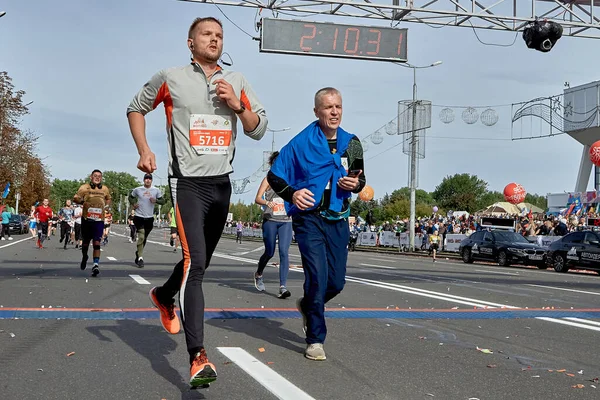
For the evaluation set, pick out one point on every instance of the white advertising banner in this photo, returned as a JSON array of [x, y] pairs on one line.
[[232, 230], [367, 239], [453, 242], [389, 239], [404, 239]]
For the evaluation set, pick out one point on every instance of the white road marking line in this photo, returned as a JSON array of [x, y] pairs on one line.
[[567, 290], [585, 321], [111, 258], [497, 272], [267, 377], [377, 266], [261, 248], [294, 255], [234, 258], [427, 293], [383, 258], [139, 280], [13, 243], [563, 322]]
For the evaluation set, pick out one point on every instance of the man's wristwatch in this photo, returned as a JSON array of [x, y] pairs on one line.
[[241, 109]]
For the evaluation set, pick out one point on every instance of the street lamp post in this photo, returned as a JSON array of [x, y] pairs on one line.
[[273, 131], [413, 153]]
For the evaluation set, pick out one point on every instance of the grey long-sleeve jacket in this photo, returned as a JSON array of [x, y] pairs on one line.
[[185, 92]]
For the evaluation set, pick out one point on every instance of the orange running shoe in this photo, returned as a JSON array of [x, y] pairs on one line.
[[202, 372], [168, 317]]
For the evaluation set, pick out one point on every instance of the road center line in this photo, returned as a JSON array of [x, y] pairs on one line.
[[111, 258], [139, 280], [497, 272], [377, 266], [565, 289], [427, 293], [261, 248], [267, 377], [585, 321], [384, 259], [563, 322], [13, 243]]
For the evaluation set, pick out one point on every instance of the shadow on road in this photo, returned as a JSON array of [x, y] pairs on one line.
[[263, 329], [152, 343], [248, 287]]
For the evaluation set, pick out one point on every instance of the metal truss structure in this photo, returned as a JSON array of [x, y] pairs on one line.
[[577, 17]]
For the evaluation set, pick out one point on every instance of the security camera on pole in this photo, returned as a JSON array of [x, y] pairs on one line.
[[414, 117]]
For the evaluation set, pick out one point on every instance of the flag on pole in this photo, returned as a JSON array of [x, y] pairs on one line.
[[6, 190]]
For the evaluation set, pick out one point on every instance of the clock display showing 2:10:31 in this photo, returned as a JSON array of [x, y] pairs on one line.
[[334, 40]]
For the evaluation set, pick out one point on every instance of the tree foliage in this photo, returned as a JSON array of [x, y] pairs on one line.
[[19, 164], [246, 213], [460, 192], [537, 200], [63, 190]]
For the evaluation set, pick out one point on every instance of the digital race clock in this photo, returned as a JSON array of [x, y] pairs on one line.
[[333, 40]]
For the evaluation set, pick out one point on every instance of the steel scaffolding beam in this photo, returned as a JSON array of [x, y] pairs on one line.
[[577, 17]]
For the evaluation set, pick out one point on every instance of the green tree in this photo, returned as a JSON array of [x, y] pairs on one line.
[[120, 184], [359, 207], [399, 208], [421, 196], [460, 192], [241, 212], [489, 198], [19, 164], [165, 208], [537, 200], [61, 191]]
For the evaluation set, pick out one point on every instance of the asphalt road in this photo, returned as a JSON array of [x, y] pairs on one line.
[[403, 328]]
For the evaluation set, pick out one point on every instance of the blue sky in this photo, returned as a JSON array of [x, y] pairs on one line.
[[81, 62]]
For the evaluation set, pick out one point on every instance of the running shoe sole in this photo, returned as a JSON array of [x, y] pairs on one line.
[[203, 377], [322, 358]]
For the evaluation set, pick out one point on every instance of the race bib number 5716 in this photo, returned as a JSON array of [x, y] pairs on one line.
[[210, 134]]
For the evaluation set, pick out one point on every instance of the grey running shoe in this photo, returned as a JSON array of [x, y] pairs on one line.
[[299, 307], [95, 271], [284, 293], [315, 352], [259, 284]]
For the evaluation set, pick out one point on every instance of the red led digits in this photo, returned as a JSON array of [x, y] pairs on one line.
[[377, 42], [312, 36], [400, 43], [335, 38], [355, 49]]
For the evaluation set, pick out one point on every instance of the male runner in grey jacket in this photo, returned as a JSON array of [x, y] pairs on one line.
[[203, 104]]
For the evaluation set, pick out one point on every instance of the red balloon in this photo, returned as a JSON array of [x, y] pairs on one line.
[[595, 153], [514, 193]]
